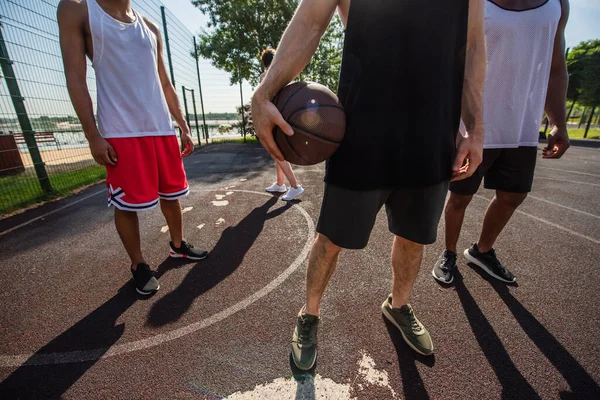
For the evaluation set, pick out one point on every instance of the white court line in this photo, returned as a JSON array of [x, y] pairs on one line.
[[562, 228], [101, 353], [566, 180], [572, 172], [52, 212], [565, 207]]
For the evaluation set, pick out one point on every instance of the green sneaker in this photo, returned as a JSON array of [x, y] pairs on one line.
[[304, 340], [412, 330]]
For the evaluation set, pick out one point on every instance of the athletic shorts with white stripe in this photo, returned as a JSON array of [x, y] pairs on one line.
[[148, 168]]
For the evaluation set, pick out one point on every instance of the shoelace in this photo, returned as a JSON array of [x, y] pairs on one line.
[[445, 265], [495, 260], [186, 245], [414, 324], [305, 329]]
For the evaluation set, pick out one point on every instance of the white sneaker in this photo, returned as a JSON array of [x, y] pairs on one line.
[[293, 193], [275, 188]]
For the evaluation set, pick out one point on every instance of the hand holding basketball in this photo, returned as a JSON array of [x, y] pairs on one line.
[[265, 117]]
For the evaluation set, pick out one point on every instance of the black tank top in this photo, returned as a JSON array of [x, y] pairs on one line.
[[401, 86]]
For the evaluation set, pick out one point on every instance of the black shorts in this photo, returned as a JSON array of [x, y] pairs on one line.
[[507, 170], [347, 216]]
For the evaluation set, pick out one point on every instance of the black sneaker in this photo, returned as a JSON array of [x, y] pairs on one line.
[[444, 268], [145, 282], [187, 251], [489, 263]]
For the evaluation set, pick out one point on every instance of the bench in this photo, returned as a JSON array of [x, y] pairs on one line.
[[40, 137]]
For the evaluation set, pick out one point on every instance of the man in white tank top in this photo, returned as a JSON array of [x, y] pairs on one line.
[[526, 75], [134, 138]]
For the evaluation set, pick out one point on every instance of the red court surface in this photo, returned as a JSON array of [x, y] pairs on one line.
[[72, 326]]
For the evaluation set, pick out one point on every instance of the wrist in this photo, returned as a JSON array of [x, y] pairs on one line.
[[262, 94], [93, 135]]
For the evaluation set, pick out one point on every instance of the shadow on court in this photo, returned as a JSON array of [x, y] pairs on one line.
[[412, 383], [90, 338], [223, 260], [581, 383]]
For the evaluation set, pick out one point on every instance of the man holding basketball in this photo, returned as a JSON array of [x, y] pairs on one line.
[[531, 35], [381, 160], [134, 138]]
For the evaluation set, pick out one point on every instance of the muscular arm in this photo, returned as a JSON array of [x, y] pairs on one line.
[[558, 139], [297, 46], [471, 148], [71, 15], [170, 94]]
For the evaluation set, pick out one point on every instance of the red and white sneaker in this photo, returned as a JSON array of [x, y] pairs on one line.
[[187, 251]]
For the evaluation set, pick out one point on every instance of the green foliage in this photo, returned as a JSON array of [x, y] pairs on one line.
[[238, 30], [584, 73]]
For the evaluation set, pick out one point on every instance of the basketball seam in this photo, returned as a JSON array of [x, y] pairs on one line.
[[293, 149], [305, 132], [292, 95]]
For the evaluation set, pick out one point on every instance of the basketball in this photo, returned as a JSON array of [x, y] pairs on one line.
[[318, 119]]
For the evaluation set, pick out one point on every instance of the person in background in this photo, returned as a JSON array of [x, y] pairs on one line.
[[531, 34], [284, 168], [134, 138]]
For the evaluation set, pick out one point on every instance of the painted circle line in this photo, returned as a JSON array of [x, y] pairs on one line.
[[102, 353]]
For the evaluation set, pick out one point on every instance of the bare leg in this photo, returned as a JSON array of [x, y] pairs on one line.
[[280, 175], [498, 213], [321, 264], [128, 227], [171, 209], [406, 261], [288, 172], [454, 216]]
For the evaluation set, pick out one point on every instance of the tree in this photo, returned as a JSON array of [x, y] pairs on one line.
[[584, 76], [238, 30]]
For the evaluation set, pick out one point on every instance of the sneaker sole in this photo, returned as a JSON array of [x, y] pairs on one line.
[[292, 199], [481, 265], [275, 191], [393, 321], [177, 255], [440, 279], [147, 293]]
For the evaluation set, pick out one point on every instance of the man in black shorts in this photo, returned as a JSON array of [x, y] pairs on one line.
[[515, 97], [387, 156]]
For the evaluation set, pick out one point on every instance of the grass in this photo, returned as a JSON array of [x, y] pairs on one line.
[[22, 190], [578, 133], [249, 139]]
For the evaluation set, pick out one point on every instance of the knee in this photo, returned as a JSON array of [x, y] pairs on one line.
[[510, 200], [458, 202], [326, 247]]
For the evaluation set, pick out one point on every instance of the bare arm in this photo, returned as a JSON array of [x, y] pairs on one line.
[[71, 15], [297, 46], [170, 94], [558, 139], [470, 149]]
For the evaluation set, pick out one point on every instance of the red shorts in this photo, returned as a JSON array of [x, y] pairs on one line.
[[148, 168]]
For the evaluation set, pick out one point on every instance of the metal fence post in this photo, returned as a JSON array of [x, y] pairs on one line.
[[242, 102], [187, 114], [164, 21], [204, 127], [196, 118], [24, 122]]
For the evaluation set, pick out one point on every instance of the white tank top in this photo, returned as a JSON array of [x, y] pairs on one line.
[[519, 53], [131, 102]]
